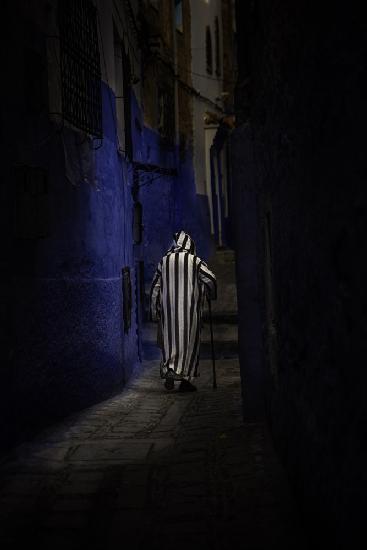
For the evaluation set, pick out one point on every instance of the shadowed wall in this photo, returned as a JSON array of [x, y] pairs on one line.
[[299, 174]]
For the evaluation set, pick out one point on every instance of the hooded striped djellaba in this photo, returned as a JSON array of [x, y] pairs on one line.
[[180, 284]]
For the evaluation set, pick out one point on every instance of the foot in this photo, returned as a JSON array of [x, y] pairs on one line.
[[169, 384], [186, 386]]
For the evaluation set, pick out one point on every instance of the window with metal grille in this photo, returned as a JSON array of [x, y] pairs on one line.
[[80, 65], [209, 50]]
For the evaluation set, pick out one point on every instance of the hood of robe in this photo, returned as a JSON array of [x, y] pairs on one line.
[[183, 241]]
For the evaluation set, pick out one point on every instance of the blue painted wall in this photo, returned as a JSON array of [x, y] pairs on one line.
[[69, 348], [64, 345], [170, 204]]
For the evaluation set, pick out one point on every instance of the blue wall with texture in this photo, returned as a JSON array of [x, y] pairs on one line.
[[64, 344]]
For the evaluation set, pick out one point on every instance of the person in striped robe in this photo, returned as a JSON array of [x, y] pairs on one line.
[[180, 284]]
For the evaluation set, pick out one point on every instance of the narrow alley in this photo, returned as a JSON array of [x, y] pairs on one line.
[[156, 155], [151, 469]]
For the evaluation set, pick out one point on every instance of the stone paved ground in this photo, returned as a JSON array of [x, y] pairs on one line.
[[150, 469]]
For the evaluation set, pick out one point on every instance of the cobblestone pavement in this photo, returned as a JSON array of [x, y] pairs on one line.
[[148, 469], [151, 469]]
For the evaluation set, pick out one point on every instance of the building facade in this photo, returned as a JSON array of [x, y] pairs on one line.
[[213, 77], [70, 267], [98, 146]]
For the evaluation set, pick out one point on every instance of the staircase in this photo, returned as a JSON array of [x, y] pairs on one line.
[[224, 309]]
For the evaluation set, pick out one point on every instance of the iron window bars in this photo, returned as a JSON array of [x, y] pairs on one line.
[[80, 65]]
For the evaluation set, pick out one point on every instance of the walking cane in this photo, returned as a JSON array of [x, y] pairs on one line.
[[212, 341]]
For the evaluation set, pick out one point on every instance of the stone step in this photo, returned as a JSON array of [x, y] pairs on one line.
[[221, 317], [225, 336], [226, 298], [223, 255], [222, 350], [222, 332]]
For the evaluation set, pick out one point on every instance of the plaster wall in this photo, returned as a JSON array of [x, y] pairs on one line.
[[65, 345], [203, 14], [299, 177]]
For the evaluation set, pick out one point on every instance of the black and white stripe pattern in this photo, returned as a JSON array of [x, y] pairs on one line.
[[179, 285]]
